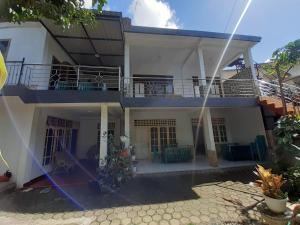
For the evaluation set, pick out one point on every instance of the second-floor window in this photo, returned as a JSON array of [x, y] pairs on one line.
[[4, 45], [156, 85]]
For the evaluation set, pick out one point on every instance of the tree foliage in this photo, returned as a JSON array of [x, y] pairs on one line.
[[287, 130], [63, 12], [282, 61]]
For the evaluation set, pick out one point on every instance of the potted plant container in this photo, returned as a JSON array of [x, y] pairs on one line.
[[270, 185], [6, 176]]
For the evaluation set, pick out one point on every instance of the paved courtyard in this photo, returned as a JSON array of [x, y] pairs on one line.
[[173, 199]]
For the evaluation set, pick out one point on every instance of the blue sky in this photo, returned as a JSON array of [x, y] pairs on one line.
[[276, 21]]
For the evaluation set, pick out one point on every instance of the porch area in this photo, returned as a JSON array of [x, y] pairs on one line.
[[178, 141]]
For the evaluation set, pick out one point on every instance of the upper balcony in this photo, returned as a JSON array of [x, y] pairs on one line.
[[55, 83], [64, 77], [167, 87]]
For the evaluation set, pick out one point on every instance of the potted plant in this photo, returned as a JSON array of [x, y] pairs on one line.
[[270, 185], [6, 176]]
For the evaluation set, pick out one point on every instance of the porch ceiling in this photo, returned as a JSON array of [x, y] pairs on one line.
[[99, 44], [83, 111]]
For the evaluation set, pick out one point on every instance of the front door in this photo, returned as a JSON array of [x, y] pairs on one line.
[[198, 137], [162, 137]]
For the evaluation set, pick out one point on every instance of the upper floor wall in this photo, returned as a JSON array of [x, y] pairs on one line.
[[31, 41], [153, 61]]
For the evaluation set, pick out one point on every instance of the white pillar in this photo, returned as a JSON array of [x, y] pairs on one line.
[[127, 123], [103, 135], [27, 152], [127, 80], [249, 62], [209, 138], [202, 74]]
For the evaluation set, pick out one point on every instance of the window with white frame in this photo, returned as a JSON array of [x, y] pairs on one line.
[[4, 45], [219, 130]]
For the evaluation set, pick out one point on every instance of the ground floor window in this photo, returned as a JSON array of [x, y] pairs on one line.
[[219, 130], [162, 132]]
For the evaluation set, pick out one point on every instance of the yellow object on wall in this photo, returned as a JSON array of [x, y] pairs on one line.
[[3, 71]]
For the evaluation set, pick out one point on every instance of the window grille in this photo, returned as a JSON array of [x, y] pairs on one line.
[[219, 130], [157, 122]]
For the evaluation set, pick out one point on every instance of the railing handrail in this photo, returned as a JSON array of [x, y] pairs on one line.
[[180, 79], [65, 65]]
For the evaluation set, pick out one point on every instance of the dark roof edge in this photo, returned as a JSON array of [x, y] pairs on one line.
[[189, 33]]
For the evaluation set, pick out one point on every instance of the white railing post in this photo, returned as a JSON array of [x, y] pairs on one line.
[[78, 74], [119, 78]]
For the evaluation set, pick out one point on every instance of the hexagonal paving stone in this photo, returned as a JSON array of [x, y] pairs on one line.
[[126, 221], [167, 216], [101, 218], [147, 219], [163, 222], [157, 217], [137, 220], [184, 220], [174, 222]]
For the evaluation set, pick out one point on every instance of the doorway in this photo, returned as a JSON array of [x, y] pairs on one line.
[[162, 137], [198, 137]]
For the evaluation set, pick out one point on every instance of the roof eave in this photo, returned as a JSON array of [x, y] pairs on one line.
[[190, 33]]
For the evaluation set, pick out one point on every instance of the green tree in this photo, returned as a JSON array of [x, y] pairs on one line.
[[282, 61], [63, 12]]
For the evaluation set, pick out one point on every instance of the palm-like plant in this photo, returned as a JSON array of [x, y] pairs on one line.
[[269, 183]]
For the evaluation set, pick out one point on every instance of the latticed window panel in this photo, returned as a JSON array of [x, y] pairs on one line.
[[155, 123], [172, 136], [219, 130]]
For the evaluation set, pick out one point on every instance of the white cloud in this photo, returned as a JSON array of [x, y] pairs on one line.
[[88, 4], [106, 7], [153, 13]]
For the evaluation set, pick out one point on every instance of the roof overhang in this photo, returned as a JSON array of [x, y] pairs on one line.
[[98, 44], [189, 33]]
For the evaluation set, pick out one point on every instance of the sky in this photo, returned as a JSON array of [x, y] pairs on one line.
[[276, 21]]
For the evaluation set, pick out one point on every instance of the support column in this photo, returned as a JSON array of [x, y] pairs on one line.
[[202, 74], [249, 63], [209, 139], [127, 80], [127, 123], [103, 135]]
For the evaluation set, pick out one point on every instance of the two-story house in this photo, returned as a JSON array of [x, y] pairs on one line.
[[68, 89]]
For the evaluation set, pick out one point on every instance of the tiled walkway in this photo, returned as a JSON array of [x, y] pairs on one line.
[[217, 203]]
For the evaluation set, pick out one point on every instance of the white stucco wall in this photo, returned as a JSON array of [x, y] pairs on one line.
[[87, 135], [31, 41], [26, 40], [243, 124], [16, 120]]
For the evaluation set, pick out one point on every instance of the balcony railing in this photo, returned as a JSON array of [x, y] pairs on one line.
[[291, 92], [141, 87], [64, 77], [91, 78]]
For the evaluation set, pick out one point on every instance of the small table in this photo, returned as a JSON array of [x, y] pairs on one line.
[[271, 218]]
